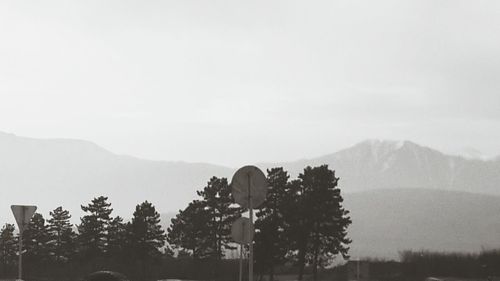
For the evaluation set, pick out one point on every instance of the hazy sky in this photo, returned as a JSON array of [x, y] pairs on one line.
[[234, 82]]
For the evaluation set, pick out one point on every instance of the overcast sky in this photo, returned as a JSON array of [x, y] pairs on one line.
[[235, 82]]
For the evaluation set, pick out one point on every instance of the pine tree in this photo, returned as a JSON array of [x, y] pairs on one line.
[[296, 228], [316, 218], [188, 231], [62, 238], [93, 229], [218, 203], [147, 236], [270, 243], [8, 247], [35, 238]]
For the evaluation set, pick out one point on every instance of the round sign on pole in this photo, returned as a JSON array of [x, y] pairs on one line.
[[249, 182], [242, 231]]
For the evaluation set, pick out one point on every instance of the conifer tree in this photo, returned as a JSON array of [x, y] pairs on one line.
[[317, 222], [219, 206], [270, 243], [8, 247], [93, 229], [35, 238], [146, 238], [147, 235], [62, 237], [188, 231]]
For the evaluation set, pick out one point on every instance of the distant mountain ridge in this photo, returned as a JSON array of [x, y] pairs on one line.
[[375, 164], [53, 172], [401, 195]]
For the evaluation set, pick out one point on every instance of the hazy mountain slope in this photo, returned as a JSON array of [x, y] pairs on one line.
[[65, 172], [386, 164], [56, 172], [387, 221]]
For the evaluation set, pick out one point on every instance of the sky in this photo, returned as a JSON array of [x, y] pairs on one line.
[[238, 82]]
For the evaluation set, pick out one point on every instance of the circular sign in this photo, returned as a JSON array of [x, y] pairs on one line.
[[249, 182], [242, 231]]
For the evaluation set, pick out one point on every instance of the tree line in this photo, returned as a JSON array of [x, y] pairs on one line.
[[421, 264], [54, 244], [302, 222]]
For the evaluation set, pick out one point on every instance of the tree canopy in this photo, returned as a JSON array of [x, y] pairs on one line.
[[302, 221]]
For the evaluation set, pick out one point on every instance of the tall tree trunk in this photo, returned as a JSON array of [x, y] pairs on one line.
[[316, 254], [315, 266], [216, 246], [219, 239], [302, 260]]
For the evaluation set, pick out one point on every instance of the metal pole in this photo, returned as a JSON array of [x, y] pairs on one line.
[[250, 207], [357, 271], [241, 262], [20, 269]]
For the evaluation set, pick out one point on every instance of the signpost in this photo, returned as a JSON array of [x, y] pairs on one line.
[[248, 183], [242, 233], [23, 216], [249, 190]]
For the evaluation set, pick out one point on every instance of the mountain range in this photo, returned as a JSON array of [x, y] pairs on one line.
[[380, 180], [375, 164]]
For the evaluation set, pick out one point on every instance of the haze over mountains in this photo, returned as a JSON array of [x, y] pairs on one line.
[[388, 221], [377, 164], [71, 172], [401, 194]]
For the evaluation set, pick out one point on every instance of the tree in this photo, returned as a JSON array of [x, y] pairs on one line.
[[219, 206], [317, 221], [93, 230], [147, 236], [270, 243], [8, 247], [62, 238], [35, 238], [188, 230]]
